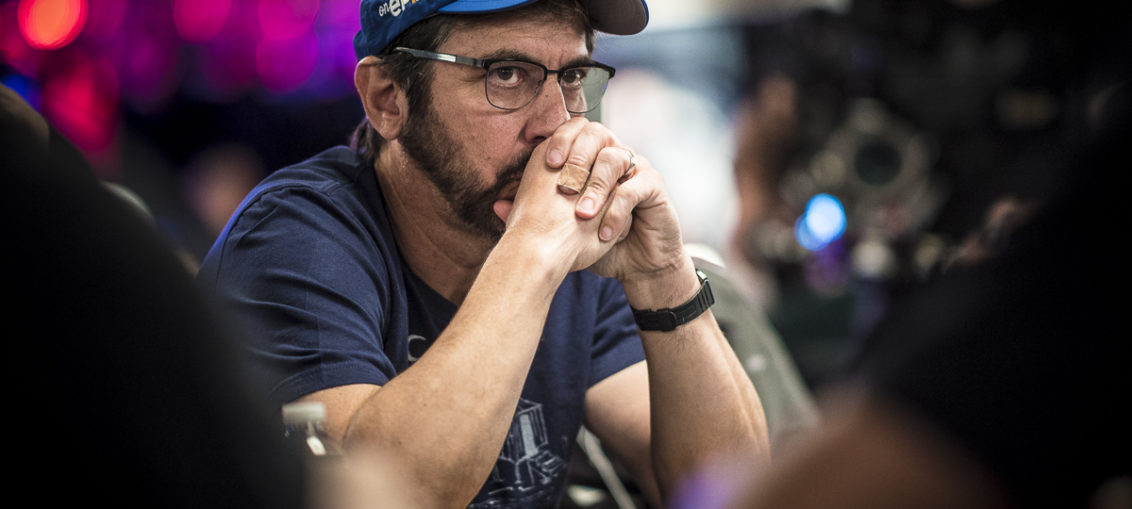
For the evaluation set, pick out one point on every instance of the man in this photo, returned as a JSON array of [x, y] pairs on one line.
[[428, 287]]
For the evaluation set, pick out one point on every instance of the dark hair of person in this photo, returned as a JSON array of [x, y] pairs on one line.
[[414, 75]]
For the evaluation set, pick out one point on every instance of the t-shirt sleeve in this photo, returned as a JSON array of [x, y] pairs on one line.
[[617, 344], [300, 272]]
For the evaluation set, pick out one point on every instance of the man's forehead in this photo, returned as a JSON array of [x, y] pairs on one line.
[[383, 21], [533, 39]]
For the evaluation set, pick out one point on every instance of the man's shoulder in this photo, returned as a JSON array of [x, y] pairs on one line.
[[334, 179], [330, 195], [326, 170], [323, 208]]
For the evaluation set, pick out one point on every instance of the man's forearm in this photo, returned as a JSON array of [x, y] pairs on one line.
[[700, 409], [444, 420], [702, 402]]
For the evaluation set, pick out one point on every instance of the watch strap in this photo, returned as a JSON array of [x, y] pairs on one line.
[[668, 319]]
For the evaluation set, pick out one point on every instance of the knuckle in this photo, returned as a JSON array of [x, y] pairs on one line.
[[604, 174], [571, 127], [579, 120], [615, 214], [596, 187], [620, 207], [583, 150], [578, 158], [589, 143], [559, 140], [598, 127], [568, 131], [615, 162], [610, 154]]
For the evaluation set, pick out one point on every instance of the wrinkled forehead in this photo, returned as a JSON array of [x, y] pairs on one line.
[[525, 26], [547, 42]]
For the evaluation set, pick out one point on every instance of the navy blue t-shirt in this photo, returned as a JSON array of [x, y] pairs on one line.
[[310, 267]]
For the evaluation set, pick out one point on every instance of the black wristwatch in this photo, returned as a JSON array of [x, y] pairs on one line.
[[668, 319]]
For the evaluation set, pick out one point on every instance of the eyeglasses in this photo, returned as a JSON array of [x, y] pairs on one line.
[[511, 84]]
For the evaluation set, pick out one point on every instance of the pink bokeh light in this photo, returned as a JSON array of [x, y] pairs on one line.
[[200, 20], [284, 65], [286, 19], [80, 97], [150, 66], [105, 21]]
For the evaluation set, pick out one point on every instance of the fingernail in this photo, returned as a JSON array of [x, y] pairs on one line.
[[587, 205], [554, 157], [606, 233]]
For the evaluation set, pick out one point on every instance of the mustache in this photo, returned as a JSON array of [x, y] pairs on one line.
[[512, 172]]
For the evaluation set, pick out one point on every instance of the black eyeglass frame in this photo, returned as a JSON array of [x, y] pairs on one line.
[[486, 63]]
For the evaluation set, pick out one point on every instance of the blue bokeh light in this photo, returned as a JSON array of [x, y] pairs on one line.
[[27, 88], [822, 223]]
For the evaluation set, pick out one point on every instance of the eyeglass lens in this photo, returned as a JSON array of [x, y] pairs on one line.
[[513, 84]]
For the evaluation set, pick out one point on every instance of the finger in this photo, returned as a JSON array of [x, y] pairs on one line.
[[572, 179], [584, 150], [631, 170], [617, 218], [629, 198], [609, 169], [559, 144]]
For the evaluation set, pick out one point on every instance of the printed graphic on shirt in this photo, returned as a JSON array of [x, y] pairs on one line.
[[528, 470], [417, 346]]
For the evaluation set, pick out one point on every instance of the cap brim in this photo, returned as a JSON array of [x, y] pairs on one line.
[[618, 17]]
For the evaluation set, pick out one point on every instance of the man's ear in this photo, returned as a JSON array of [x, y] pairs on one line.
[[385, 103]]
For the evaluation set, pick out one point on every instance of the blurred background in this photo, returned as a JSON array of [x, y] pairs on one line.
[[829, 152]]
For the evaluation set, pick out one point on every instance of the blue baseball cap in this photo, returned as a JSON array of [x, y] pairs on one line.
[[384, 20]]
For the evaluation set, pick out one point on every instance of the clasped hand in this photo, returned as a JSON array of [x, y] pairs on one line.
[[622, 224]]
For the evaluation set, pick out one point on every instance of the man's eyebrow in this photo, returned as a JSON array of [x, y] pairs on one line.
[[508, 54]]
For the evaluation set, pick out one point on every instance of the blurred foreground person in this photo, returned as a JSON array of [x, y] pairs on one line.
[[1006, 382], [457, 300], [130, 392]]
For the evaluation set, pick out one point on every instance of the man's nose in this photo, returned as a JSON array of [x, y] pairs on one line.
[[547, 110]]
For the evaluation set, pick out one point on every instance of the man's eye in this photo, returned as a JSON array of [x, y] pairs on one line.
[[574, 77], [505, 75]]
